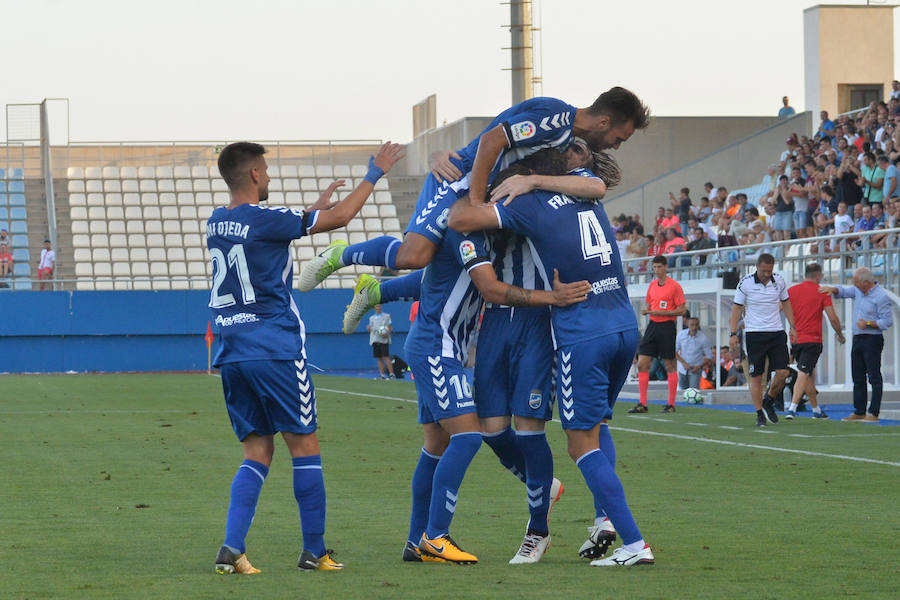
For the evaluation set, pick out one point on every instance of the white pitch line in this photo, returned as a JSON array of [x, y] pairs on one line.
[[766, 431], [682, 437], [696, 424], [729, 427]]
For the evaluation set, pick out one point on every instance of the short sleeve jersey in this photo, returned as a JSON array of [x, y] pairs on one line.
[[529, 126], [761, 302], [667, 296], [808, 305], [251, 301], [550, 221], [449, 302]]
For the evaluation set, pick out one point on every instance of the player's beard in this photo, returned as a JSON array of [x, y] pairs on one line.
[[264, 194]]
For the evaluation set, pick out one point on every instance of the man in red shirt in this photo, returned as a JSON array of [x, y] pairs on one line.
[[6, 263], [665, 303], [808, 305]]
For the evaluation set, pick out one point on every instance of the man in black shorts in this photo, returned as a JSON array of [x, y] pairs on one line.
[[761, 297], [380, 329], [807, 346]]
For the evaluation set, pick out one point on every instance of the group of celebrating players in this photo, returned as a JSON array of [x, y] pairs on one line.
[[504, 221]]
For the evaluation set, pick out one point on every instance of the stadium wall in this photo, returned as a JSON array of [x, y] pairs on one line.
[[51, 332]]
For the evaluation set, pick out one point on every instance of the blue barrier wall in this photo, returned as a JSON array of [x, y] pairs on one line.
[[49, 332]]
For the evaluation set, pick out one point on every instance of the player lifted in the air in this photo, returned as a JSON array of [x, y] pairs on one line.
[[262, 353], [595, 340], [515, 133]]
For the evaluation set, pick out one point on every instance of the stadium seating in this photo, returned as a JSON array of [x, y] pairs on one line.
[[144, 227], [13, 218]]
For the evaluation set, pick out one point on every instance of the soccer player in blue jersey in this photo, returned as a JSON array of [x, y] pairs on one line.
[[595, 340], [452, 287], [515, 133], [261, 353]]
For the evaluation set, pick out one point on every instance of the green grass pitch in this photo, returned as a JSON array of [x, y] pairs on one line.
[[116, 486]]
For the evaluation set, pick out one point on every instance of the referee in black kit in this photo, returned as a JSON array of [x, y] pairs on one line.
[[761, 297]]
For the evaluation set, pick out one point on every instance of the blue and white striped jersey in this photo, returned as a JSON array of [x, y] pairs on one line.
[[530, 125], [572, 237], [449, 303], [251, 302]]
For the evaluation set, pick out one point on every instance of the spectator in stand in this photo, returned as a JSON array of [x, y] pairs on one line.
[[729, 369], [722, 196], [682, 207], [622, 242], [759, 235], [47, 265], [824, 228], [890, 188], [734, 209], [660, 215], [866, 222], [692, 351], [787, 110], [670, 220], [784, 210], [6, 264], [716, 210], [709, 189], [636, 222], [881, 222], [847, 189], [699, 241], [705, 210], [674, 242], [724, 239], [4, 237], [871, 176], [637, 248], [826, 126]]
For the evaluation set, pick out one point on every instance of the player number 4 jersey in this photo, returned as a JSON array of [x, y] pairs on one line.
[[573, 237]]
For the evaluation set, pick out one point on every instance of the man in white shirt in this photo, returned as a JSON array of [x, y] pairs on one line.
[[761, 297], [47, 265], [380, 329]]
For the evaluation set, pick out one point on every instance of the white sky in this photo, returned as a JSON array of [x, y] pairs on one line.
[[352, 69]]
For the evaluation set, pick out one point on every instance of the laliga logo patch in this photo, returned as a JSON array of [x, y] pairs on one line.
[[663, 304], [534, 400], [522, 131], [467, 251]]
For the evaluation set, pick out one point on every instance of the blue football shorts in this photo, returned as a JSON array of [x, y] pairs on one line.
[[433, 206], [269, 396], [514, 363], [591, 375], [441, 387]]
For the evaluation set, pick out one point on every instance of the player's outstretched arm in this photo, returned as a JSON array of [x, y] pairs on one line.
[[342, 212], [494, 290], [470, 217], [324, 202], [570, 185], [490, 145]]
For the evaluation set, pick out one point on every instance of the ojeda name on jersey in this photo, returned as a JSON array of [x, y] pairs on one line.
[[224, 228]]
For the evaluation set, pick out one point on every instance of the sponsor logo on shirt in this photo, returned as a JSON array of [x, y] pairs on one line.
[[467, 251], [605, 285], [522, 131], [237, 319]]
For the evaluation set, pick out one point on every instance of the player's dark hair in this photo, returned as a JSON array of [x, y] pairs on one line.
[[765, 259], [621, 106], [812, 269], [543, 162], [234, 160], [659, 259]]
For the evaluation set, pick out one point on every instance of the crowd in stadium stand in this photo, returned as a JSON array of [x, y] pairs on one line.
[[843, 179]]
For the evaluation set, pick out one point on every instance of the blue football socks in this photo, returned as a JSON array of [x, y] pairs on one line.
[[245, 490], [382, 251], [539, 477], [608, 448], [309, 490], [408, 287], [503, 443], [422, 480], [604, 484], [447, 478]]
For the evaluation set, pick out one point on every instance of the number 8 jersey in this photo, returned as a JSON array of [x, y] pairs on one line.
[[572, 236], [251, 301]]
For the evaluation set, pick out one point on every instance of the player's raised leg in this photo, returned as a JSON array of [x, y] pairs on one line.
[[369, 291]]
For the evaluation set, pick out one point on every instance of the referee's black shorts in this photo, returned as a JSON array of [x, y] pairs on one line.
[[766, 344], [806, 355], [659, 340], [380, 350]]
